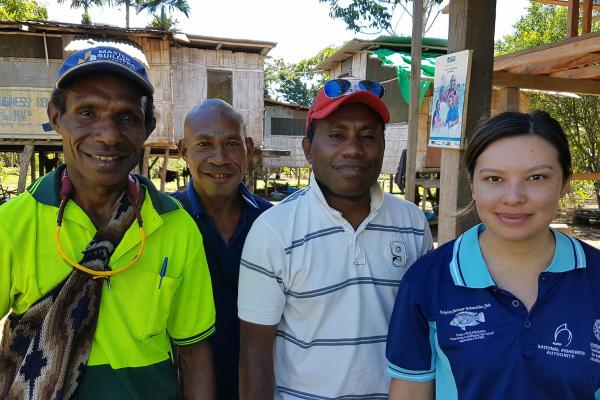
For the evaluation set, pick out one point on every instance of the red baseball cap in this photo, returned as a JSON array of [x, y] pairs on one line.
[[323, 106]]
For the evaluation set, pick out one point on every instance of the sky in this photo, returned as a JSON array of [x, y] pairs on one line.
[[301, 28]]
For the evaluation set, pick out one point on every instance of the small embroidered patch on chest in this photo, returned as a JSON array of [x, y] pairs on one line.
[[398, 251]]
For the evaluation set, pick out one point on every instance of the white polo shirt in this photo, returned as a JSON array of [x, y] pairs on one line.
[[330, 289]]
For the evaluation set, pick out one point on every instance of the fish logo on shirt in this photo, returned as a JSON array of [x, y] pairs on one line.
[[597, 329], [467, 318]]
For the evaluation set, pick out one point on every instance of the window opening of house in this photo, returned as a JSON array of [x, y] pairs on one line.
[[219, 85], [346, 69], [287, 126]]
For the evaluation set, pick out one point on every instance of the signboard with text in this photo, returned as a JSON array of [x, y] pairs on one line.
[[23, 111]]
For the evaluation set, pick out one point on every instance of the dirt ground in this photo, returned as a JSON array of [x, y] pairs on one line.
[[588, 233]]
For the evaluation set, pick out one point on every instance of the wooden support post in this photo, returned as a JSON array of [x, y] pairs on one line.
[[42, 162], [391, 183], [415, 95], [573, 18], [509, 99], [471, 27], [587, 16], [33, 167], [145, 161], [23, 167], [251, 172], [163, 171]]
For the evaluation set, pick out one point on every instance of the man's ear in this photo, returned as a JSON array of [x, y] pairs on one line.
[[249, 146], [54, 117], [182, 147], [306, 146]]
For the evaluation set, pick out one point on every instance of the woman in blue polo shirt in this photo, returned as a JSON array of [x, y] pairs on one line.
[[510, 309]]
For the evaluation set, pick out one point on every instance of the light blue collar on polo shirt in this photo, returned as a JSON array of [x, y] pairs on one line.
[[469, 269]]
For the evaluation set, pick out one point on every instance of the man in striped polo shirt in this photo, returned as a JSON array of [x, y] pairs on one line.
[[320, 271]]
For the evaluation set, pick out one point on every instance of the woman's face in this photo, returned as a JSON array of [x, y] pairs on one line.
[[517, 183]]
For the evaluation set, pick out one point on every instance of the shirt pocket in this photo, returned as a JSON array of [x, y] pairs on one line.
[[151, 305]]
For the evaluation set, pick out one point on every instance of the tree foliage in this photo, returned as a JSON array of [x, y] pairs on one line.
[[578, 116], [542, 24], [295, 83], [129, 4], [160, 9], [377, 16], [22, 10], [86, 5]]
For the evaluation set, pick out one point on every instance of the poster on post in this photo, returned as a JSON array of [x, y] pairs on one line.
[[449, 102]]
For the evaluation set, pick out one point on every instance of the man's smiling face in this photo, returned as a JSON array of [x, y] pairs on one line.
[[216, 150], [346, 152], [102, 128]]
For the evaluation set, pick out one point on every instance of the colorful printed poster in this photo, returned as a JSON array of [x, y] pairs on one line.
[[448, 108]]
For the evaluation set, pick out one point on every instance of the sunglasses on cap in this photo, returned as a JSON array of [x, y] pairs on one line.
[[341, 87]]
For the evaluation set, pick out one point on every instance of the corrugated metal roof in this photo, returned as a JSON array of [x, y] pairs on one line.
[[390, 42], [181, 39], [272, 102]]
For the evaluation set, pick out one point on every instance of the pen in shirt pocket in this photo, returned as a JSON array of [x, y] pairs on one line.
[[163, 271]]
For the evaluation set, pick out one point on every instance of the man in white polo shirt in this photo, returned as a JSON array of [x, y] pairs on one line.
[[320, 271]]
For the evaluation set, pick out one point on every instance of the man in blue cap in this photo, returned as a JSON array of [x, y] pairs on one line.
[[98, 287]]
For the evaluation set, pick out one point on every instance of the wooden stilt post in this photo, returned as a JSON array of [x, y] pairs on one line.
[[250, 173], [163, 171], [587, 16], [509, 99], [145, 160], [42, 162], [23, 167], [573, 18], [33, 167]]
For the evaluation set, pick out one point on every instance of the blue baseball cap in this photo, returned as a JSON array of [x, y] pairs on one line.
[[104, 59]]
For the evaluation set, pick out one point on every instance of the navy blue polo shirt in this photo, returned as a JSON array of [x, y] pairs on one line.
[[453, 324], [224, 265]]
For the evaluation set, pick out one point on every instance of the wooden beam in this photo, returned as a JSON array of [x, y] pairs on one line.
[[565, 49], [587, 16], [471, 26], [549, 67], [593, 71], [415, 94], [585, 176], [539, 82], [573, 18], [23, 167]]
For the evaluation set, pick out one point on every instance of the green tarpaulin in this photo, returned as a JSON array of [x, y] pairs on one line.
[[402, 62]]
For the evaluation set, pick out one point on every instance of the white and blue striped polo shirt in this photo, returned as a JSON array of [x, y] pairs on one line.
[[452, 323], [330, 289]]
